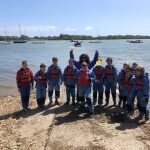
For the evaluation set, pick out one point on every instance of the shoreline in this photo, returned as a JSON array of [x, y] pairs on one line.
[[8, 91]]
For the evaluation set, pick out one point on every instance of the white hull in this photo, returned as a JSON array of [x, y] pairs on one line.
[[5, 42], [38, 42]]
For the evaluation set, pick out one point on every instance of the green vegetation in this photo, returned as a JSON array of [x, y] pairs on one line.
[[73, 37]]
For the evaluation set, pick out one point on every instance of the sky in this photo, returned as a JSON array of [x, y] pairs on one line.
[[52, 17]]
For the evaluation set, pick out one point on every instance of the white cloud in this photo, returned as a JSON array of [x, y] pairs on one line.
[[88, 28], [70, 29], [26, 29]]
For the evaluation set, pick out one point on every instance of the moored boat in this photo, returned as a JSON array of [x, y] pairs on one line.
[[38, 42], [135, 41]]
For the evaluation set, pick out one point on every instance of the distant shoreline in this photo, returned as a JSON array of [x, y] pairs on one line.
[[74, 37]]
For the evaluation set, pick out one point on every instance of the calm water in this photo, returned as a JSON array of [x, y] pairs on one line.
[[11, 55]]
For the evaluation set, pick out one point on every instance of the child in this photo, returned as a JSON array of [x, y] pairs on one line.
[[70, 80], [142, 91], [98, 70], [121, 78], [41, 85], [134, 66], [54, 75], [110, 81], [129, 87], [84, 58], [25, 82], [85, 78]]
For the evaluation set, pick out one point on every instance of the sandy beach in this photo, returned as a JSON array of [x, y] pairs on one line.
[[64, 127]]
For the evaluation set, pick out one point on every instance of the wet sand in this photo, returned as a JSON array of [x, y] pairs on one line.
[[8, 91]]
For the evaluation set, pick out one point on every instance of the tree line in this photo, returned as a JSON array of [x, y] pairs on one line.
[[73, 37]]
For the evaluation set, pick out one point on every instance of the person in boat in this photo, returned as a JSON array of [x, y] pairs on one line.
[[54, 76], [98, 85], [121, 79], [142, 92], [85, 79], [84, 58], [110, 81], [70, 81], [25, 82], [41, 85]]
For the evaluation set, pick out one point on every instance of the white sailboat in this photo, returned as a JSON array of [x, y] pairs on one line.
[[96, 41], [5, 41], [38, 41], [20, 41]]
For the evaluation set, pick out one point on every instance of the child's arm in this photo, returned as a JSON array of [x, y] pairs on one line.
[[76, 63], [92, 76], [32, 78], [36, 76], [48, 74], [115, 74], [63, 76], [146, 87]]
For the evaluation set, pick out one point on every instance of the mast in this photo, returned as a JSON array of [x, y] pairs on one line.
[[97, 32], [19, 30]]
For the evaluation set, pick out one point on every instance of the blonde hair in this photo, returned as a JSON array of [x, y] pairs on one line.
[[140, 69], [126, 64]]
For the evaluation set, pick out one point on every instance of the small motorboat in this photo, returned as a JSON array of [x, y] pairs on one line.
[[135, 41], [77, 44]]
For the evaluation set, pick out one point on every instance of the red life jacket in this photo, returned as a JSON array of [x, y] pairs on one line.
[[139, 83], [99, 72], [109, 73], [127, 82], [25, 76], [83, 78], [43, 78], [54, 72], [70, 74]]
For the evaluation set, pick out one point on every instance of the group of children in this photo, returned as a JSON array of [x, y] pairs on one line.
[[83, 75]]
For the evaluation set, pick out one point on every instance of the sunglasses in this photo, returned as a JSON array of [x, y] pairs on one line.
[[84, 65]]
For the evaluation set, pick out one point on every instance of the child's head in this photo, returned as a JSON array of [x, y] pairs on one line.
[[70, 62], [24, 64], [99, 62], [42, 67], [129, 71], [84, 58], [140, 70], [84, 66], [126, 66], [55, 60], [109, 61], [134, 65]]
